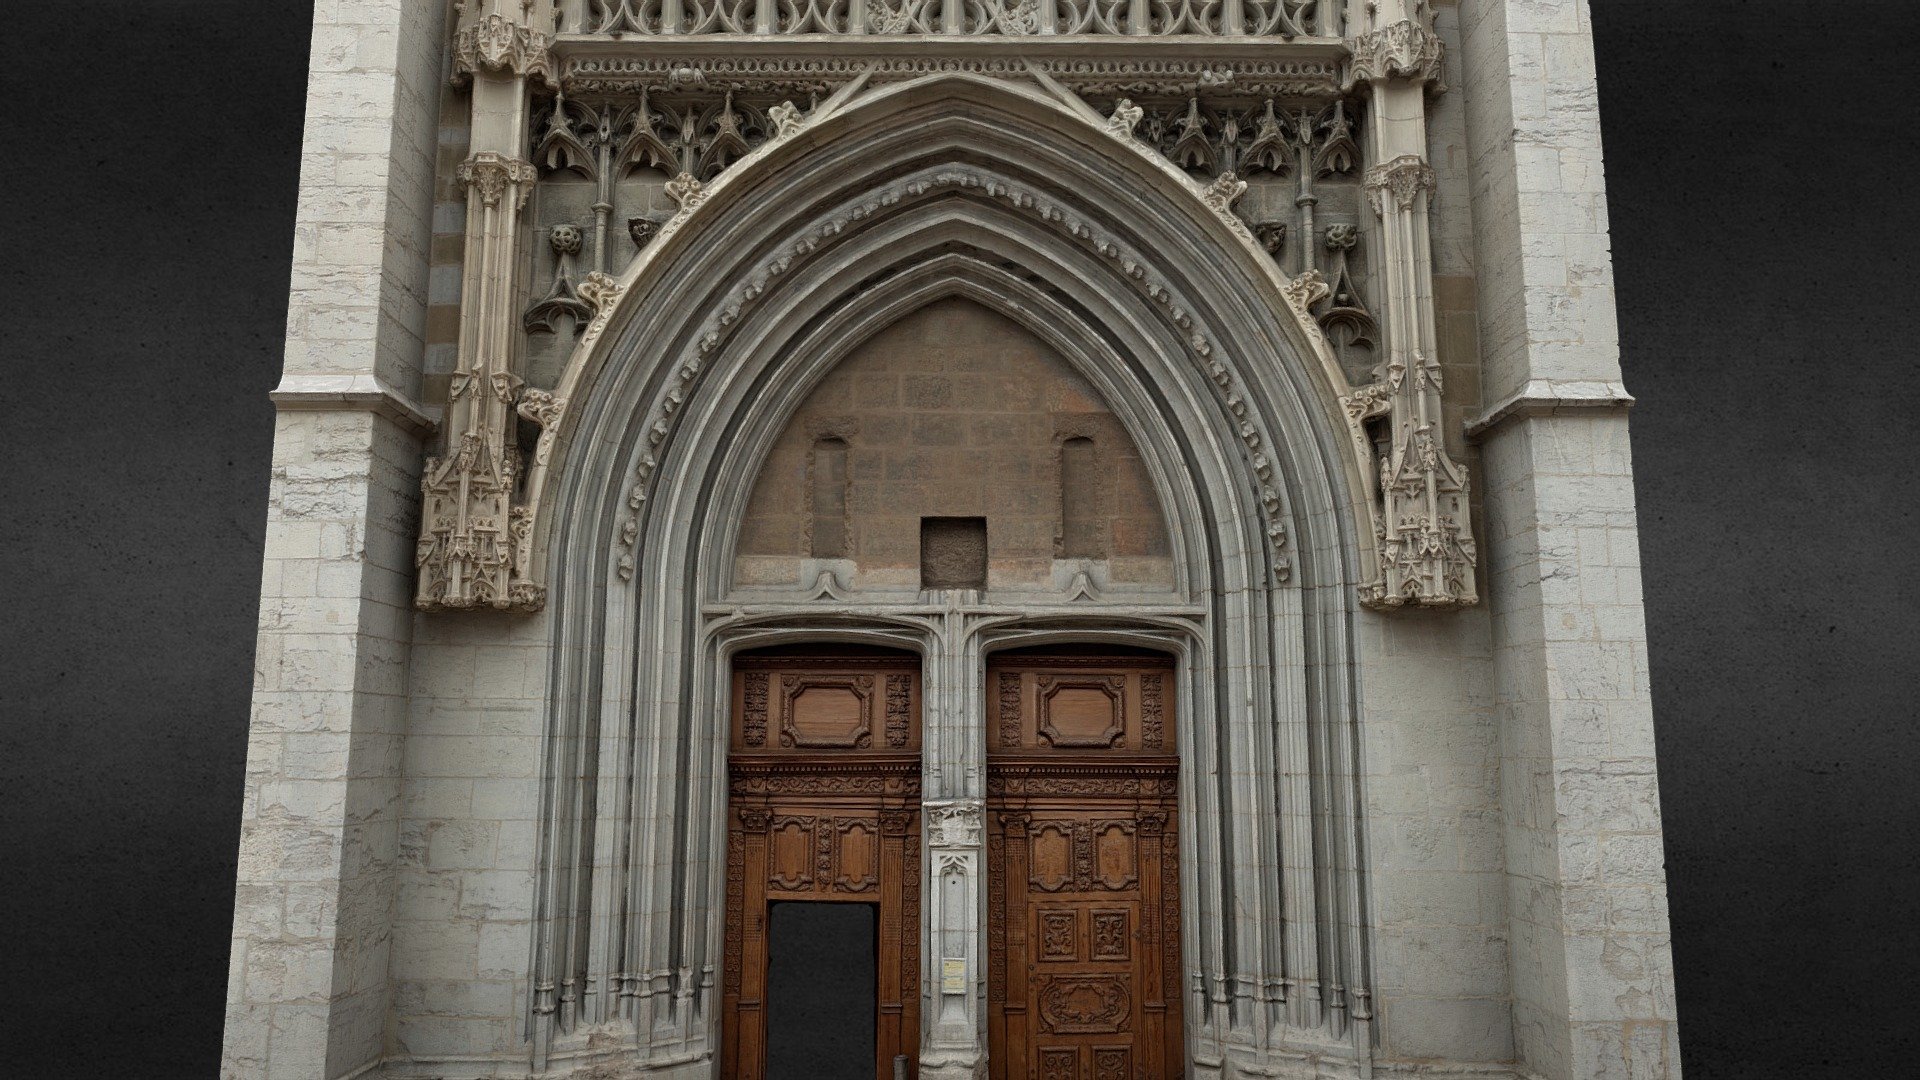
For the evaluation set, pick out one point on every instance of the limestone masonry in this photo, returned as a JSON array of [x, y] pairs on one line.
[[654, 364]]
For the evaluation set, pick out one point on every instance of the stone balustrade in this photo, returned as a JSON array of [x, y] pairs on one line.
[[975, 18]]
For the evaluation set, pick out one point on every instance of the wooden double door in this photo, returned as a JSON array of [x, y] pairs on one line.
[[1083, 921], [1083, 871]]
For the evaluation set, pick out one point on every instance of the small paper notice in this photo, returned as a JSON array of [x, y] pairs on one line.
[[953, 975]]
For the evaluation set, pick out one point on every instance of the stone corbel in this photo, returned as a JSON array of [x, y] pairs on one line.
[[505, 36], [1423, 529], [473, 550]]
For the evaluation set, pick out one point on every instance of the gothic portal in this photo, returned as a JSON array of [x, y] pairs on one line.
[[1044, 540]]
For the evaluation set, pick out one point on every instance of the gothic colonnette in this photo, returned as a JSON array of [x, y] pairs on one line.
[[1129, 498]]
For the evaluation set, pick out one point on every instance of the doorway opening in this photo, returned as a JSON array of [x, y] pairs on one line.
[[822, 995]]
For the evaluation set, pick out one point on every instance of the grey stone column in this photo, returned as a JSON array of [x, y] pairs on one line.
[[953, 1013], [1590, 962], [308, 992]]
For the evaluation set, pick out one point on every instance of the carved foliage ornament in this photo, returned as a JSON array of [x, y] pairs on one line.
[[802, 75], [495, 43], [1405, 50], [1008, 18]]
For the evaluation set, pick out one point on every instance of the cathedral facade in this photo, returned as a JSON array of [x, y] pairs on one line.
[[1032, 539]]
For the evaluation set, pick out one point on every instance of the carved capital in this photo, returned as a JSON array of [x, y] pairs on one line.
[[491, 175], [1404, 50], [895, 822], [1405, 178], [953, 824], [496, 43]]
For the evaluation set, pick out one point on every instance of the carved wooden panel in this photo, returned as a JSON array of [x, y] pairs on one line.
[[1074, 704], [832, 712], [824, 805], [1083, 945], [811, 704], [1084, 712]]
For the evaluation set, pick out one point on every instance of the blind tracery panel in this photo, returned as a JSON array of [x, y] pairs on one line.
[[994, 18]]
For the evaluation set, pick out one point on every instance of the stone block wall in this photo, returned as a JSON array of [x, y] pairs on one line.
[[1591, 978], [309, 993], [953, 412], [309, 990], [468, 838]]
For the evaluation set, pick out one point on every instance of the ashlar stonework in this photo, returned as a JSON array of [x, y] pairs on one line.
[[1141, 488]]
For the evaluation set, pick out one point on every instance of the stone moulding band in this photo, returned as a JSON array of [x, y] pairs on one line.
[[1550, 397], [820, 63], [352, 393]]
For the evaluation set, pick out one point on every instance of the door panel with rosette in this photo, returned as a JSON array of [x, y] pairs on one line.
[[823, 806], [1083, 939]]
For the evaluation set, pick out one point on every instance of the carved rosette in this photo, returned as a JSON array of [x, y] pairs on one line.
[[1403, 50], [1422, 531], [498, 44]]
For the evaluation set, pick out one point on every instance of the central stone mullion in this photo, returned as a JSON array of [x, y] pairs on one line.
[[952, 812]]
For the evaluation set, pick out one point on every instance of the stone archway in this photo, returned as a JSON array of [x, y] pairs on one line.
[[681, 391]]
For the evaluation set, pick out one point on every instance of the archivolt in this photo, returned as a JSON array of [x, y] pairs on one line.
[[953, 186], [1132, 207]]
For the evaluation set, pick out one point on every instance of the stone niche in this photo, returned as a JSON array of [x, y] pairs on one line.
[[954, 412]]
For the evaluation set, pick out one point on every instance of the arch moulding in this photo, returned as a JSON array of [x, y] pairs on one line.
[[850, 124]]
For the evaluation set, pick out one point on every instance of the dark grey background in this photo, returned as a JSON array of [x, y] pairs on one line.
[[1762, 205]]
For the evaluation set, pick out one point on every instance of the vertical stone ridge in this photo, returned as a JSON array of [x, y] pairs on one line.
[[1591, 968], [308, 991]]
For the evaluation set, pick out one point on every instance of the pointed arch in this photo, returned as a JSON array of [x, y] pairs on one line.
[[954, 187]]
